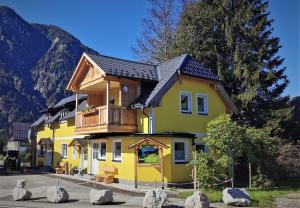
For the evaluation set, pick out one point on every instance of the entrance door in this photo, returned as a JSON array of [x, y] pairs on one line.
[[94, 161], [48, 156], [83, 158]]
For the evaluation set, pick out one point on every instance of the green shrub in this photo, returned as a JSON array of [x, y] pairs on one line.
[[261, 181], [25, 157]]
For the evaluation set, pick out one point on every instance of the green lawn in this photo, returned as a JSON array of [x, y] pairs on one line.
[[259, 198]]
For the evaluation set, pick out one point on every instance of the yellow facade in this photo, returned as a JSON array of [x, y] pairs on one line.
[[168, 117]]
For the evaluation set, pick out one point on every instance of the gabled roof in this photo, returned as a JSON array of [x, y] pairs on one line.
[[69, 99], [72, 113], [124, 68], [53, 118], [168, 72], [39, 121]]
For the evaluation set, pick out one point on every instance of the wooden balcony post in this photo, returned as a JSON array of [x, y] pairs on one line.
[[107, 100], [76, 107]]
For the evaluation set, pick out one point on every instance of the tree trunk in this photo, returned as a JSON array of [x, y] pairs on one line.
[[250, 175]]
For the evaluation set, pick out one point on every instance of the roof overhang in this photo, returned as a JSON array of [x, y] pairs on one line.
[[147, 141], [45, 141]]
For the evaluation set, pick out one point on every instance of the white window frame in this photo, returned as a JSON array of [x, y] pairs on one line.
[[74, 153], [205, 99], [62, 152], [186, 151], [99, 149], [113, 151], [190, 102]]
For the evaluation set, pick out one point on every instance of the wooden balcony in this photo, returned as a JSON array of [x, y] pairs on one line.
[[103, 120]]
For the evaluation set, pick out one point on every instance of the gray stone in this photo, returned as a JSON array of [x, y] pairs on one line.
[[101, 196], [21, 183], [20, 194], [236, 197], [57, 194], [197, 200], [154, 198]]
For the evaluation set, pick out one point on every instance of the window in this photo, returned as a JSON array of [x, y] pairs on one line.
[[117, 150], [63, 112], [180, 152], [74, 152], [42, 149], [202, 104], [186, 102], [95, 150], [148, 154], [64, 150], [200, 147], [102, 150]]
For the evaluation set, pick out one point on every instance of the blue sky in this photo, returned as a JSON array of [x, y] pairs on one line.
[[112, 26]]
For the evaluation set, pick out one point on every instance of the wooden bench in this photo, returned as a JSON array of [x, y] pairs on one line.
[[107, 176], [61, 167]]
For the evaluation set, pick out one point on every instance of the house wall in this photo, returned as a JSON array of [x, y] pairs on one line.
[[168, 117], [146, 175]]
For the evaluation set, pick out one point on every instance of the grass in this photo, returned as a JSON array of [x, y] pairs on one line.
[[259, 198]]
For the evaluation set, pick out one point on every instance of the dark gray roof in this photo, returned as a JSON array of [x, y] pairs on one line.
[[69, 99], [124, 68], [39, 121], [167, 74], [45, 141]]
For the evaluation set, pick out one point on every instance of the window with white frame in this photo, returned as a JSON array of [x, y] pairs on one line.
[[202, 104], [64, 150], [102, 151], [180, 152], [185, 102], [95, 150], [74, 153], [117, 150]]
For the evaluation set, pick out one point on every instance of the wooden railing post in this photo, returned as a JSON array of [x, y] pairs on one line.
[[107, 100]]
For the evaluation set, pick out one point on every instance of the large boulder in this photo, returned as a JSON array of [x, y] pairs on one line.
[[236, 197], [20, 194], [154, 198], [197, 200], [101, 196], [21, 183], [57, 194]]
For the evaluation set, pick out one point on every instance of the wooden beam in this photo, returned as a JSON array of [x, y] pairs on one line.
[[161, 167], [135, 166], [76, 107], [107, 100]]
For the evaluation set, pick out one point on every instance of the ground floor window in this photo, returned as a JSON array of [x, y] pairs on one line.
[[42, 149], [64, 150], [102, 152], [117, 150], [180, 152], [200, 147], [74, 153], [148, 154]]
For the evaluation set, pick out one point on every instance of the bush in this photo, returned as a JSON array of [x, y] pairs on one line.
[[25, 157], [261, 181]]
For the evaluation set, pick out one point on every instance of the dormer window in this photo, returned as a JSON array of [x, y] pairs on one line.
[[63, 113]]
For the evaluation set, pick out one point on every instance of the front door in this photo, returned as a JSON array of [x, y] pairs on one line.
[[94, 161], [48, 156], [83, 158]]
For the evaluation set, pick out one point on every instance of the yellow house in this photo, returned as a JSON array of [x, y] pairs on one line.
[[138, 118]]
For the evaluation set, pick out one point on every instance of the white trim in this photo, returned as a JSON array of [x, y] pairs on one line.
[[99, 149], [113, 150], [190, 102], [61, 151], [152, 121], [205, 100], [186, 150], [74, 151]]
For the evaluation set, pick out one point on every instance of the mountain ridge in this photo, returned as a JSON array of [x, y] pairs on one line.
[[36, 62]]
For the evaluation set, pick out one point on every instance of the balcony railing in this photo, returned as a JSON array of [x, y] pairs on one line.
[[120, 119]]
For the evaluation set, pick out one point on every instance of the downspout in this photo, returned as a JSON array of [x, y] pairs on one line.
[[52, 153], [143, 110]]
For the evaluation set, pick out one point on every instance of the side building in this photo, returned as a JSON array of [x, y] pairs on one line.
[[140, 120]]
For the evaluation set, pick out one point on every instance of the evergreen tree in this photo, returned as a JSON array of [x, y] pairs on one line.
[[234, 39]]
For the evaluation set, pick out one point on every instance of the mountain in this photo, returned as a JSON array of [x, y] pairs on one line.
[[36, 62]]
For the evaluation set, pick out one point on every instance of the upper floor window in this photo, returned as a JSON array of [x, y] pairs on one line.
[[63, 112], [202, 104], [185, 102]]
